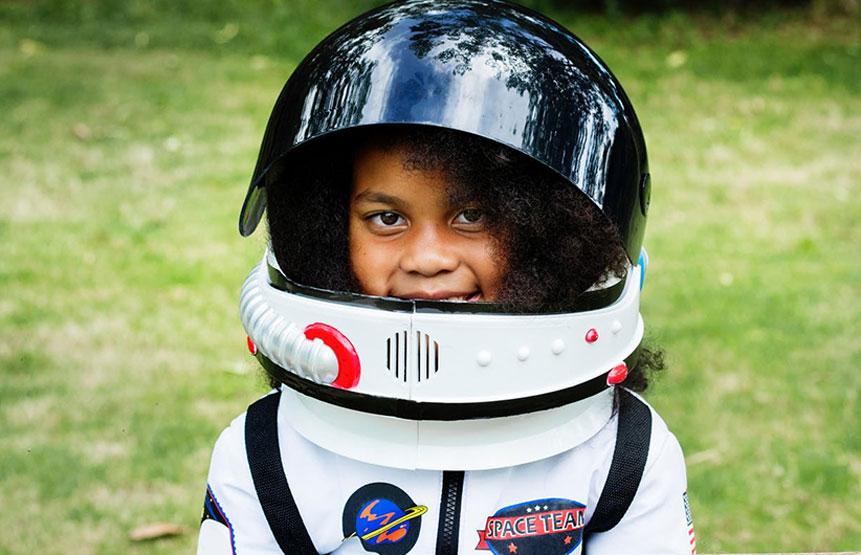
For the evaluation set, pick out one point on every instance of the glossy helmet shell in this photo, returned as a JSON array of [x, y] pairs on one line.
[[491, 69]]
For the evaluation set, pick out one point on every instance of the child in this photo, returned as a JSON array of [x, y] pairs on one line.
[[456, 198]]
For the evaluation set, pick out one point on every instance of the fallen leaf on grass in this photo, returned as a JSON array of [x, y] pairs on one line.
[[82, 131], [30, 47], [156, 530], [226, 33], [677, 59]]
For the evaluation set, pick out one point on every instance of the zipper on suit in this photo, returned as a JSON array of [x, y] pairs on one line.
[[449, 512]]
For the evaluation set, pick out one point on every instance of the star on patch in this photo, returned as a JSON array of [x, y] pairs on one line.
[[512, 548]]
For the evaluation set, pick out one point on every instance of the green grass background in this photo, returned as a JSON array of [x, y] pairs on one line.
[[128, 131]]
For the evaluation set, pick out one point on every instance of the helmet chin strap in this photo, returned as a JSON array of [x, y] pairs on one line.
[[439, 385]]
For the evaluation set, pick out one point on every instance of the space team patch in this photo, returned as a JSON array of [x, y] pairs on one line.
[[540, 527]]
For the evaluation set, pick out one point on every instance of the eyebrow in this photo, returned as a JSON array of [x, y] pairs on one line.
[[375, 196]]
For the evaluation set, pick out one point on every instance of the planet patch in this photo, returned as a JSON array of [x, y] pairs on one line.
[[384, 518]]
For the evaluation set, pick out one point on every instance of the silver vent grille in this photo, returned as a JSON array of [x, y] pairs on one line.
[[420, 348]]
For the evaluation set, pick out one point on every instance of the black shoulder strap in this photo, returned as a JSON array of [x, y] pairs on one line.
[[267, 471], [629, 461]]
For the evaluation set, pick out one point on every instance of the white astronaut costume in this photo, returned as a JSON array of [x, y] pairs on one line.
[[418, 426], [494, 506]]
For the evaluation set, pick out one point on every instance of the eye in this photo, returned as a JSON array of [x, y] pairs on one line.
[[470, 216], [387, 219]]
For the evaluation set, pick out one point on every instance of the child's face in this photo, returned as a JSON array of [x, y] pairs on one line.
[[408, 239]]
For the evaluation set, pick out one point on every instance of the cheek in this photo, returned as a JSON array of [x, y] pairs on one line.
[[368, 262], [490, 268]]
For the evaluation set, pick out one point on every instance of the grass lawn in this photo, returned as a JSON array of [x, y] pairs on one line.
[[127, 136]]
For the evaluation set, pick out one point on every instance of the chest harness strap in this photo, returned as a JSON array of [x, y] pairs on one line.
[[267, 471], [629, 461]]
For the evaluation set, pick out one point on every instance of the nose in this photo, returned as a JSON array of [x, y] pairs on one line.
[[428, 252]]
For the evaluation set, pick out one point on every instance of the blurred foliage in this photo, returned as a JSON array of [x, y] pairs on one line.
[[615, 7], [140, 11]]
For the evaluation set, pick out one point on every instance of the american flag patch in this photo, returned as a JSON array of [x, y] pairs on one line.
[[690, 519]]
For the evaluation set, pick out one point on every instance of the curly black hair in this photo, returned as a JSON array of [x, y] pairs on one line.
[[554, 242]]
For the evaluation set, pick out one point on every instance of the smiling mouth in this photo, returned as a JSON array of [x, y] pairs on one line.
[[445, 296], [468, 298]]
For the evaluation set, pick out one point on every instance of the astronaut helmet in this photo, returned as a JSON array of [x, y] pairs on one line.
[[423, 383]]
